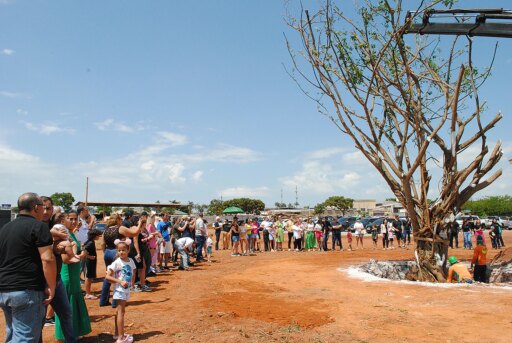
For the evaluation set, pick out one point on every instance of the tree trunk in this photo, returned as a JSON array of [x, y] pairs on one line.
[[431, 257]]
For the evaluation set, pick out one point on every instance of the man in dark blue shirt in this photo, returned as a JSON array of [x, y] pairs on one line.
[[326, 228]]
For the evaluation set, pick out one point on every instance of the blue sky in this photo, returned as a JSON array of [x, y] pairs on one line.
[[176, 100]]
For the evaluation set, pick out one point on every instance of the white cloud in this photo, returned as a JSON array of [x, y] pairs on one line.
[[173, 138], [355, 157], [175, 172], [7, 52], [48, 128], [12, 95], [148, 165], [111, 125], [324, 153], [242, 191], [8, 154], [225, 153], [197, 176], [21, 112]]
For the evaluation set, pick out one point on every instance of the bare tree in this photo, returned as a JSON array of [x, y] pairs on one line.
[[406, 106]]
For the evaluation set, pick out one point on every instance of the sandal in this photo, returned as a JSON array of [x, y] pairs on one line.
[[91, 297], [126, 339]]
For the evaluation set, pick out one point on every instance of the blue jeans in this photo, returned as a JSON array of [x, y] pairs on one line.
[[109, 255], [336, 238], [326, 238], [184, 256], [62, 308], [467, 240], [24, 315], [200, 240]]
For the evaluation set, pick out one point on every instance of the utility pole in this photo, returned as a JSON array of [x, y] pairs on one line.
[[86, 190], [296, 197], [281, 195]]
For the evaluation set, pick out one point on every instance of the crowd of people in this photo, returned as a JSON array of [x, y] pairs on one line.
[[306, 234], [44, 253], [472, 229]]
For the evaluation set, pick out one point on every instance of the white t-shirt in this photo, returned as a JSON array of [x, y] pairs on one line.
[[209, 242], [297, 231], [184, 242], [82, 231], [122, 271], [200, 227], [310, 227], [358, 227]]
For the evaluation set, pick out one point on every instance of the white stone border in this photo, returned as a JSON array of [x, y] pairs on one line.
[[355, 273]]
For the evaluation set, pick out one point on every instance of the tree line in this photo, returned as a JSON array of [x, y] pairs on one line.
[[490, 206]]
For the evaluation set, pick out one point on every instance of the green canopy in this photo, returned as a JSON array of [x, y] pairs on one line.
[[233, 210]]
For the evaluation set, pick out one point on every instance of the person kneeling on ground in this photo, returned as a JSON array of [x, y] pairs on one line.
[[458, 272], [479, 260], [185, 247]]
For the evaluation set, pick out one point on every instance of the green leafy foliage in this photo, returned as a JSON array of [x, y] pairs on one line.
[[253, 206], [339, 202], [490, 206], [65, 200], [319, 208]]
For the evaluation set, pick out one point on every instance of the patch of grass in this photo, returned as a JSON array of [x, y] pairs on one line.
[[293, 327]]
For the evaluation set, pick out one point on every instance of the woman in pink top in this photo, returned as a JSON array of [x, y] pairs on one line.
[[153, 233]]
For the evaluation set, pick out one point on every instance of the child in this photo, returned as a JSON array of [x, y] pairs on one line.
[[391, 235], [209, 245], [62, 242], [90, 263], [349, 239], [375, 235], [120, 273]]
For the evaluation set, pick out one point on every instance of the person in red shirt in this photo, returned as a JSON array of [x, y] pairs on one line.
[[479, 260]]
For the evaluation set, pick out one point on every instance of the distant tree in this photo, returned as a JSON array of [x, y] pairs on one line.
[[65, 200], [391, 199], [105, 209], [200, 208], [216, 207], [319, 208], [253, 206], [280, 205], [15, 209], [339, 202], [490, 206], [290, 205]]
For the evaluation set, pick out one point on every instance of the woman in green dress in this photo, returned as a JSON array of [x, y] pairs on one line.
[[70, 275], [310, 235]]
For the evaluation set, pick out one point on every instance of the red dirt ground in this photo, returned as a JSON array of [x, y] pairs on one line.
[[303, 297]]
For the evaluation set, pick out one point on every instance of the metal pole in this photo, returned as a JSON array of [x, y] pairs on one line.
[[86, 191]]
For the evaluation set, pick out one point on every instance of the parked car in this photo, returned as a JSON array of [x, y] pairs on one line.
[[503, 221], [459, 219], [100, 226], [347, 222]]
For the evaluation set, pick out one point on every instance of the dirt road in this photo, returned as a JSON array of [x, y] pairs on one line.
[[304, 297]]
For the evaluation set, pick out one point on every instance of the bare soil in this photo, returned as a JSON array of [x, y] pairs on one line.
[[304, 297]]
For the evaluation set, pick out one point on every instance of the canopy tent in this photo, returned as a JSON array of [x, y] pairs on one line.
[[233, 210]]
